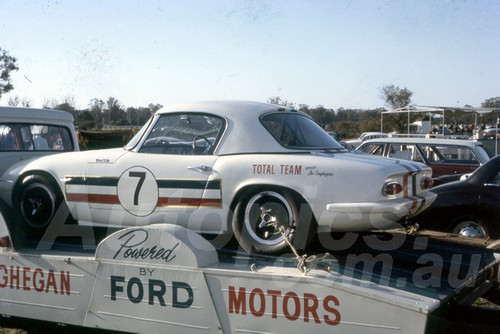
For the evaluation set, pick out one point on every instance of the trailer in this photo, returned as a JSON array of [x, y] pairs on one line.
[[166, 278]]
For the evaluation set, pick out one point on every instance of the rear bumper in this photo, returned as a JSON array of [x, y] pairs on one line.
[[402, 206], [373, 215]]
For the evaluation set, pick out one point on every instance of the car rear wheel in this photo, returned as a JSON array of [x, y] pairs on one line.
[[471, 227], [259, 216], [37, 201]]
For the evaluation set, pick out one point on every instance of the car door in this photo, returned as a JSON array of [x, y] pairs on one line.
[[489, 198], [144, 183], [449, 159], [170, 172]]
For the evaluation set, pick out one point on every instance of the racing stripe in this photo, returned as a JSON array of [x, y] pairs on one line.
[[412, 172], [188, 193], [93, 198], [414, 209], [92, 181], [177, 201], [188, 184]]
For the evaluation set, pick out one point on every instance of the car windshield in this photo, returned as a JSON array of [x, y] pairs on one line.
[[298, 131]]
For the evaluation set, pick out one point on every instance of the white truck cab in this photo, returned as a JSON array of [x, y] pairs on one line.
[[27, 133]]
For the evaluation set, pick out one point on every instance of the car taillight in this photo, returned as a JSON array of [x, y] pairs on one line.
[[392, 188], [5, 241], [426, 182]]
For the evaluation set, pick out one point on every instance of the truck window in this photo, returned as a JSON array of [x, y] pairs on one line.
[[38, 137]]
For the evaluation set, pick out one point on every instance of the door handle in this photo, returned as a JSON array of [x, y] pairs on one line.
[[201, 168]]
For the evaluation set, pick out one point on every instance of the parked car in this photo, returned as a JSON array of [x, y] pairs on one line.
[[490, 133], [27, 133], [365, 136], [444, 156], [257, 170], [470, 207]]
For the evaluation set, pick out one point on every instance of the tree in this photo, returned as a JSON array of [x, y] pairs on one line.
[[322, 116], [493, 102], [493, 117], [113, 107], [7, 65], [16, 101], [395, 98], [278, 101], [85, 120], [154, 107], [68, 105], [96, 109]]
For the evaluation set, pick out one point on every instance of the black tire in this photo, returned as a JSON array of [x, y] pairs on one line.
[[253, 222], [469, 226], [37, 201]]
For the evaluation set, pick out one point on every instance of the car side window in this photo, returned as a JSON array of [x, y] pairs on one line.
[[405, 152], [7, 140], [450, 154], [373, 149], [39, 137], [183, 134]]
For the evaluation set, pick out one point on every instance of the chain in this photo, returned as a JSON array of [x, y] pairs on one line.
[[304, 262]]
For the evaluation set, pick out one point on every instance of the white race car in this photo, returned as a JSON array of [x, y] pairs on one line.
[[257, 170]]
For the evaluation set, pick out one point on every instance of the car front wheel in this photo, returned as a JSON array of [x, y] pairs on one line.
[[261, 217], [37, 202]]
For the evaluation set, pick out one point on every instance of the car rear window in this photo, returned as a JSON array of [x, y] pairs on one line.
[[34, 137], [298, 131]]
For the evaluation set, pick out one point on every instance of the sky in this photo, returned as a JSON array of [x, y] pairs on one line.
[[334, 53]]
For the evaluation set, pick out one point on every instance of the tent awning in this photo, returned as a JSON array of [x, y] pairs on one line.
[[430, 109]]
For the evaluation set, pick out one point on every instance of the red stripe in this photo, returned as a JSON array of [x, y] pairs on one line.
[[167, 201], [71, 197], [162, 201], [93, 198], [405, 179], [212, 202], [176, 201], [405, 185]]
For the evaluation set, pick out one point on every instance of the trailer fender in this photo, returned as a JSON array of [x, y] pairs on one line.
[[150, 279]]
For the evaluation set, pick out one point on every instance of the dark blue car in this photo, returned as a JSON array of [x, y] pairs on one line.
[[470, 207]]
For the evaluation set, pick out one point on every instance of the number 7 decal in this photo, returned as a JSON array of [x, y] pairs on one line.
[[142, 177], [140, 182]]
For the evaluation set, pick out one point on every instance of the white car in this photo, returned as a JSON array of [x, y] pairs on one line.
[[353, 143], [257, 170], [444, 156]]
